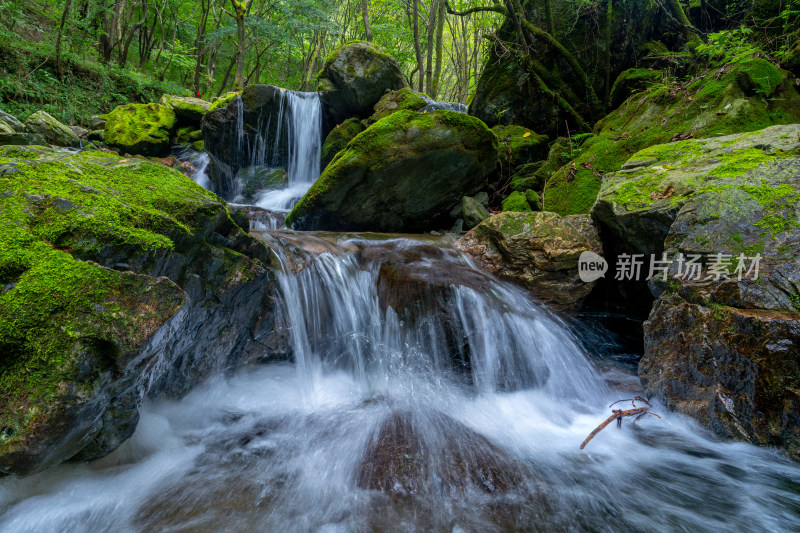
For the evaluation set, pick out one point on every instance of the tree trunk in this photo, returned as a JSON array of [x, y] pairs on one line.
[[437, 74], [429, 51], [64, 16], [365, 14], [418, 47]]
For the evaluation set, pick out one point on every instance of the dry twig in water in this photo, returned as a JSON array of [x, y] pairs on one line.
[[619, 414]]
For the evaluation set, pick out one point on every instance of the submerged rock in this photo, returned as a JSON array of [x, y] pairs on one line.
[[719, 345], [53, 131], [539, 251], [435, 456], [403, 174], [354, 78], [144, 129], [120, 278]]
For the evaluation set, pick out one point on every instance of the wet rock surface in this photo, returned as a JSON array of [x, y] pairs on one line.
[[539, 251]]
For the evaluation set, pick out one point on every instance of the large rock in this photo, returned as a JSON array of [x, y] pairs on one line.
[[354, 78], [519, 146], [539, 251], [18, 139], [405, 99], [118, 279], [187, 107], [258, 115], [10, 122], [744, 96], [404, 173], [715, 188], [337, 139], [737, 371], [720, 345], [144, 129], [53, 131]]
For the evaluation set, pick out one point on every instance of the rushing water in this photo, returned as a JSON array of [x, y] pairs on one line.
[[424, 396]]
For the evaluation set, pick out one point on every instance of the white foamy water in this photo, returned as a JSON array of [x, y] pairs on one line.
[[405, 357]]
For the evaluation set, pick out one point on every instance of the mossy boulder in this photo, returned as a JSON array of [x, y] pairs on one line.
[[534, 175], [473, 212], [338, 138], [749, 95], [516, 202], [53, 131], [404, 173], [188, 135], [539, 251], [632, 81], [354, 78], [719, 344], [405, 99], [187, 107], [105, 264], [144, 129], [519, 145]]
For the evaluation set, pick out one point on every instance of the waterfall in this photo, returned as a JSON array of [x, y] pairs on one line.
[[288, 137], [424, 395]]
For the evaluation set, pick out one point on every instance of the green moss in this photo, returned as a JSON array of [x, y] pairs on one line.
[[338, 138], [58, 312], [517, 202], [721, 103], [382, 143], [199, 145], [224, 100], [519, 145], [137, 126], [405, 99]]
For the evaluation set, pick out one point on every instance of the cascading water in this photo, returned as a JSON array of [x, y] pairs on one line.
[[296, 143], [425, 396]]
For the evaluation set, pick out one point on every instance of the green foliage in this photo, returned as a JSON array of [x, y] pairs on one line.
[[728, 46]]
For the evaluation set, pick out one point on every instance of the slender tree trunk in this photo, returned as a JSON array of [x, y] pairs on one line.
[[365, 15], [418, 47], [64, 16], [429, 51], [437, 74]]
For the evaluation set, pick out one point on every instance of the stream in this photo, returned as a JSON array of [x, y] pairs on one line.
[[424, 396]]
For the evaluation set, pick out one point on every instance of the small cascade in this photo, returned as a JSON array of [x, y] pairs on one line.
[[288, 136], [376, 314]]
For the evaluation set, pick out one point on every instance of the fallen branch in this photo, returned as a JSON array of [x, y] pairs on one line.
[[619, 414]]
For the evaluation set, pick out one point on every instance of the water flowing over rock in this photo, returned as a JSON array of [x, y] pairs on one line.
[[404, 173], [718, 344], [537, 250], [266, 127], [353, 80]]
